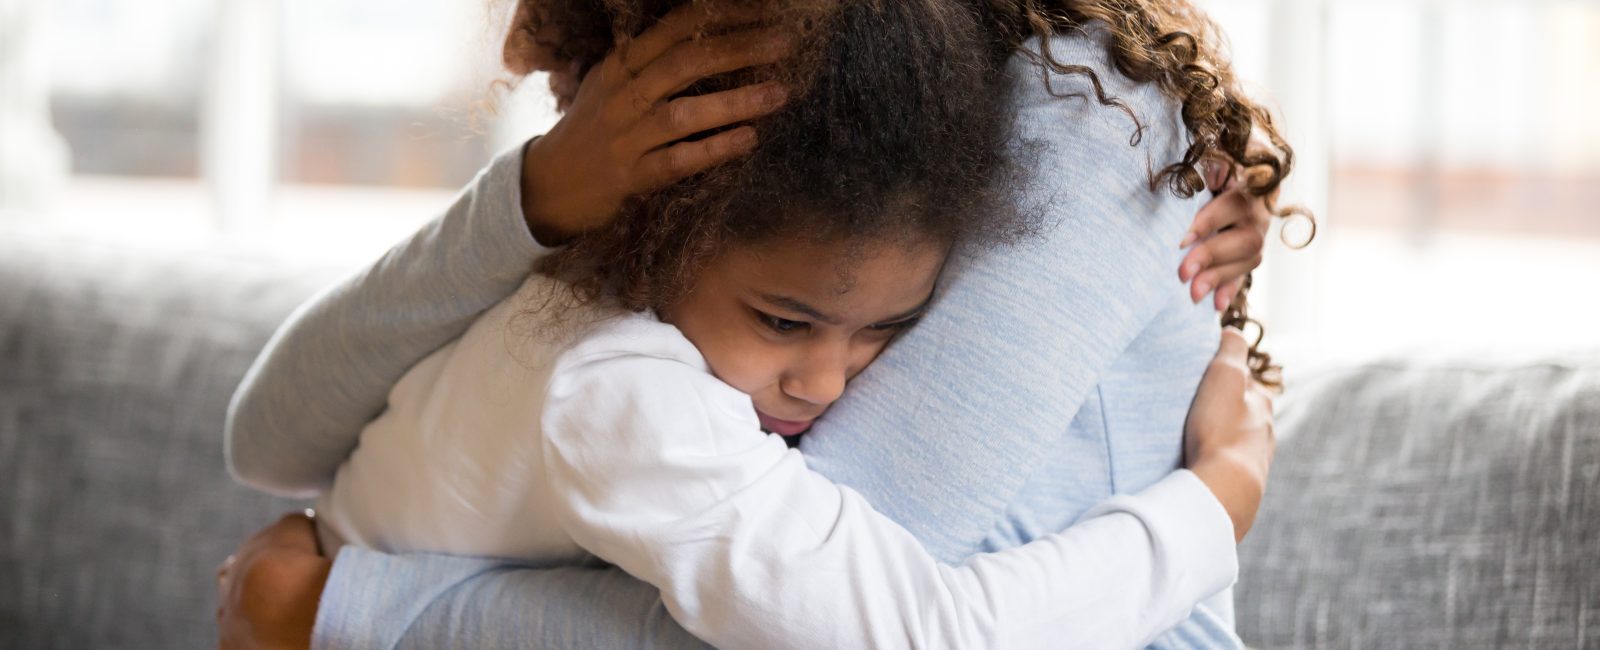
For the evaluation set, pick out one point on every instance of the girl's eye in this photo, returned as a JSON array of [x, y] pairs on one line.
[[897, 325], [781, 325]]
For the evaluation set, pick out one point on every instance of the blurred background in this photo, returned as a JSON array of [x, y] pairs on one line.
[[1448, 147]]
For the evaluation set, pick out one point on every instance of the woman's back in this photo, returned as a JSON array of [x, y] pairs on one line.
[[1052, 373]]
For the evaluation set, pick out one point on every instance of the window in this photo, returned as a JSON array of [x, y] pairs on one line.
[[1450, 153], [264, 106], [1448, 147]]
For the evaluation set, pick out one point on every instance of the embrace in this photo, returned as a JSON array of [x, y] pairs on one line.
[[812, 324]]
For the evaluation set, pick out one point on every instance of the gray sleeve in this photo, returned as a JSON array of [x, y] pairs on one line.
[[374, 600], [328, 370]]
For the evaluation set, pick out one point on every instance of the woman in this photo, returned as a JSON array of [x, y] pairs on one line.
[[1141, 323]]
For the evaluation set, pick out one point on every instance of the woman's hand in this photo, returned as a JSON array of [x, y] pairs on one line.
[[268, 591], [1228, 235], [623, 133], [1228, 439]]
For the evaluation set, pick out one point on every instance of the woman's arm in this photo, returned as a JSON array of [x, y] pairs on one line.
[[328, 370], [374, 600], [1125, 586]]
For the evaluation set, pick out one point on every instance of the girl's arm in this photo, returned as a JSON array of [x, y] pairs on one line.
[[1117, 581], [381, 601], [328, 370], [659, 468]]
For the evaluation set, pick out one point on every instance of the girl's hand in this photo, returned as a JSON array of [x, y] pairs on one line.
[[268, 591], [623, 134], [1228, 236], [1228, 439]]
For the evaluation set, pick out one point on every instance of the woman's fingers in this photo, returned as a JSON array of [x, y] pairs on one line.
[[619, 136], [1218, 276], [681, 24], [294, 530], [1218, 213], [691, 61], [685, 158], [1225, 210], [687, 116], [1226, 247], [1224, 295], [1230, 208], [1228, 237], [269, 589]]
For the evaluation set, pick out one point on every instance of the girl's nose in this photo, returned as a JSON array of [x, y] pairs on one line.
[[819, 379]]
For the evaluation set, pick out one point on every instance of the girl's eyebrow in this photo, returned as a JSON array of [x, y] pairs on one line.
[[910, 313], [799, 307]]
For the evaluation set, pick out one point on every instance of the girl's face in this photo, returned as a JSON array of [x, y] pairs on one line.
[[789, 324]]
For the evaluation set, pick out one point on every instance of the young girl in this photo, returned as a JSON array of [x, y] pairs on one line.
[[737, 301], [634, 434]]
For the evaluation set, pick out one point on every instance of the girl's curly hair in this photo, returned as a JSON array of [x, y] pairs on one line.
[[897, 130], [1170, 43]]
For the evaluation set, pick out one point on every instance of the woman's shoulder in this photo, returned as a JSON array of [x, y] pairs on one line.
[[1095, 162], [1064, 92]]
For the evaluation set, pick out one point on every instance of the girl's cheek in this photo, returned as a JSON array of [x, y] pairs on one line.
[[748, 365]]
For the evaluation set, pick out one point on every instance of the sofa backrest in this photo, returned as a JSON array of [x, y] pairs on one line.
[[116, 367], [1434, 505]]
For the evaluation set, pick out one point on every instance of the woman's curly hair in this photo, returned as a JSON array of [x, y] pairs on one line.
[[897, 130], [1170, 43], [1175, 45]]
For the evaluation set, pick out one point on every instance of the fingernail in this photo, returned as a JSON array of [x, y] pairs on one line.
[[1191, 268], [1203, 287], [1187, 240]]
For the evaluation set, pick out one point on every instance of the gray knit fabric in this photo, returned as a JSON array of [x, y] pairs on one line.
[[1443, 506], [115, 370]]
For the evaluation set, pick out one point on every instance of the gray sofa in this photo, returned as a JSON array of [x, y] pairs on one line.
[[1412, 505]]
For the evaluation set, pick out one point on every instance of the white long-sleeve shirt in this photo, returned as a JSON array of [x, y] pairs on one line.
[[610, 436]]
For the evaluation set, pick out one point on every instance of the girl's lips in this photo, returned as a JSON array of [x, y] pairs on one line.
[[783, 427]]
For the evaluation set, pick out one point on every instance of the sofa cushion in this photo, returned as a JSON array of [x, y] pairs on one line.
[[1438, 505], [116, 367]]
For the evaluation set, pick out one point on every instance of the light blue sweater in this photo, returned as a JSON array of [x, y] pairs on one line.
[[1047, 377]]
